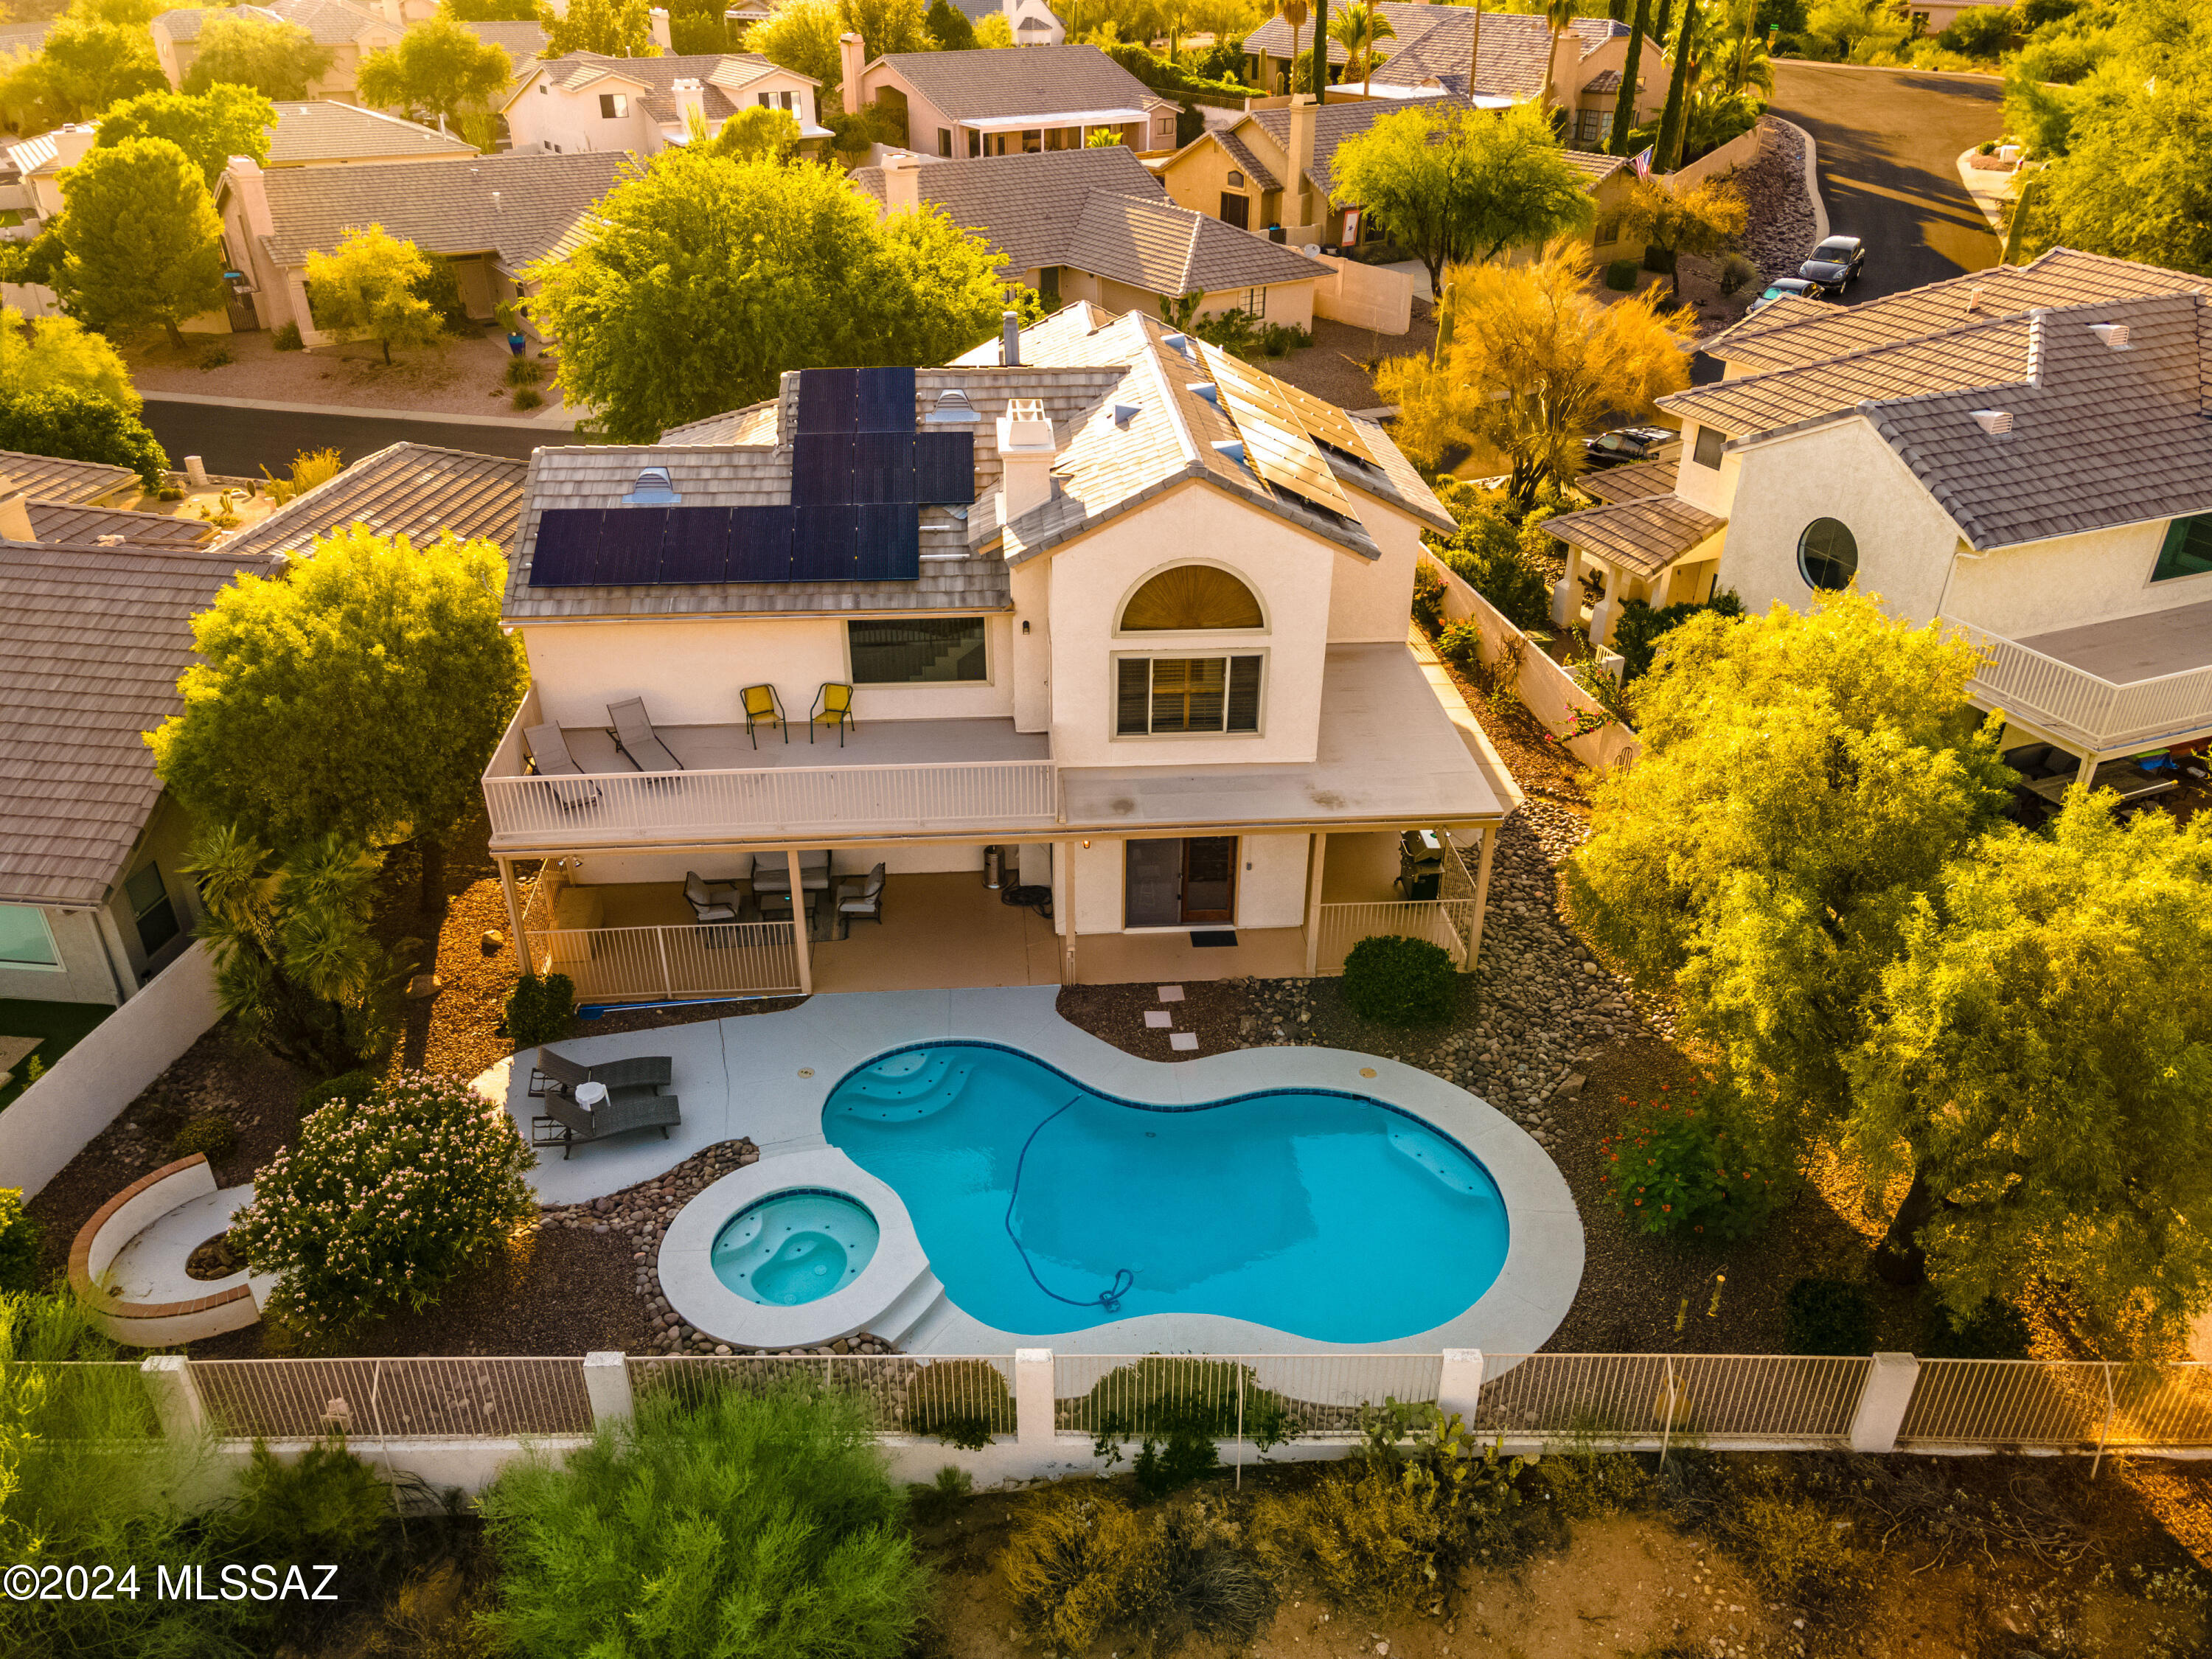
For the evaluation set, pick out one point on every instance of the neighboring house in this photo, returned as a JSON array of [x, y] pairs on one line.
[[108, 526], [960, 103], [1094, 224], [93, 900], [1430, 54], [2025, 453], [1034, 23], [1123, 617], [25, 39], [492, 216], [416, 491], [1934, 16], [52, 478], [586, 102], [351, 32], [40, 160], [1239, 174]]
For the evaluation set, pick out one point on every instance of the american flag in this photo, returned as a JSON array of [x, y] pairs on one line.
[[1641, 163]]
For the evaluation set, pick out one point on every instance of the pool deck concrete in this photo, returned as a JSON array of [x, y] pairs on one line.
[[767, 1077]]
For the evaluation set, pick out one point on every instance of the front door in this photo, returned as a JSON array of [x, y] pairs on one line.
[[1174, 883]]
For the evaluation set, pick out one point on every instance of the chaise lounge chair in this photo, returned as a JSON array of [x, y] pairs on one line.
[[636, 741], [549, 757], [634, 1100]]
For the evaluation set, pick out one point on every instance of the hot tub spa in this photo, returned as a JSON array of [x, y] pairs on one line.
[[798, 1245]]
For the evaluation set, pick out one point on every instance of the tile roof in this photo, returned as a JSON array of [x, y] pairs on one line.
[[1629, 483], [322, 131], [1257, 171], [97, 637], [1792, 332], [985, 85], [28, 39], [723, 75], [1433, 40], [446, 207], [50, 478], [1334, 122], [83, 526], [416, 491], [331, 22], [755, 424], [1644, 534], [1103, 211], [519, 41]]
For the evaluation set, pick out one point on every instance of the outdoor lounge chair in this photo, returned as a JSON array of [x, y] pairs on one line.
[[635, 741], [634, 1099], [710, 901], [763, 708], [860, 898], [549, 757], [833, 703]]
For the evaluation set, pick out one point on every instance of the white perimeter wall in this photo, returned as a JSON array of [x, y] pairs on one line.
[[57, 1117]]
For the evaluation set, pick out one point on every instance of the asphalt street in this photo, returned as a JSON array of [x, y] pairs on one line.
[[1888, 144], [240, 442]]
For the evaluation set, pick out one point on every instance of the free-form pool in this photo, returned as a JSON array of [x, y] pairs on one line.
[[795, 1247], [1045, 1205]]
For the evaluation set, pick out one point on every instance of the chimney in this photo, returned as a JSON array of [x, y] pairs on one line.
[[1301, 150], [1010, 339], [15, 518], [71, 144], [251, 192], [656, 21], [1025, 452], [690, 95], [901, 185], [852, 59]]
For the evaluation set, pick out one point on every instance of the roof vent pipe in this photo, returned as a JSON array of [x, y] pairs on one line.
[[1124, 413], [2114, 335], [1995, 422], [1973, 299], [1205, 389], [1009, 338]]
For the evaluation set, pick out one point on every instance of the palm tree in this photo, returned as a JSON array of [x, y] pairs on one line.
[[1561, 16], [1359, 29], [1294, 14]]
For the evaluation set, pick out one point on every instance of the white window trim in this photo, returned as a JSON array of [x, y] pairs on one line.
[[1121, 604], [1181, 653], [57, 966]]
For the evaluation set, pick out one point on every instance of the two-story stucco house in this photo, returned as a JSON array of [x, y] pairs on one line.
[[350, 31], [586, 101], [1122, 622], [959, 104], [2025, 453]]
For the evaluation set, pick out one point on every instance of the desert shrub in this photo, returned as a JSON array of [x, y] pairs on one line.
[[347, 1085], [1206, 1585], [527, 397], [286, 338], [325, 1505], [1737, 273], [1499, 554], [213, 1135], [309, 469], [1996, 1330], [1584, 1482], [1830, 1316], [380, 1203], [1985, 32], [1637, 631], [1460, 644], [962, 1402], [754, 1523], [525, 371], [935, 1501], [1620, 275], [1396, 980], [1690, 1167], [540, 1009], [440, 288], [1428, 596], [1077, 1561], [1169, 1462], [215, 356], [19, 1238], [1793, 1545]]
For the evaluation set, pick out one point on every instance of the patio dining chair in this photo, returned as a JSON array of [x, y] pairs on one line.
[[549, 758], [715, 900], [638, 742], [860, 898], [832, 703], [764, 707]]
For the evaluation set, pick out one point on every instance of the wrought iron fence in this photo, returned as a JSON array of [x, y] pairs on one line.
[[1662, 1397], [413, 1399], [2072, 1403], [1256, 1397], [962, 1398]]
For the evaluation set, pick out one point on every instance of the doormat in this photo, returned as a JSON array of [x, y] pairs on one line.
[[1222, 938]]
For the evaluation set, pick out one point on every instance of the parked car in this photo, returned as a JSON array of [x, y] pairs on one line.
[[1625, 443], [1782, 287], [1835, 264]]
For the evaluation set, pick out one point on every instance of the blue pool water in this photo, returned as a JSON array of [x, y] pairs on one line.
[[1326, 1215], [795, 1246]]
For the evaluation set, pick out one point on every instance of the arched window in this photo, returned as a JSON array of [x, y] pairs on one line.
[[1191, 599], [1827, 556]]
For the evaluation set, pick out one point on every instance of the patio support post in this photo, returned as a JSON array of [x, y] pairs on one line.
[[514, 909], [2088, 769], [1313, 902], [1481, 893], [1065, 863], [177, 1404], [801, 946]]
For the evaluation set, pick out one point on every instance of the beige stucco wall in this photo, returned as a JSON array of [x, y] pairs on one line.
[[2069, 580], [1370, 600], [690, 671], [167, 843], [1271, 883], [1287, 305], [83, 976], [1197, 179], [1711, 488]]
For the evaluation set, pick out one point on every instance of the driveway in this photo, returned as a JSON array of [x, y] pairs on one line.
[[240, 442], [1889, 144]]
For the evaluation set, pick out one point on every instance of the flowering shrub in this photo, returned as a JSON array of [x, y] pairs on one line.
[[381, 1201], [1678, 1166]]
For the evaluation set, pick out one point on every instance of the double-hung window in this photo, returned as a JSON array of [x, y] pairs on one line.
[[613, 106], [1162, 696]]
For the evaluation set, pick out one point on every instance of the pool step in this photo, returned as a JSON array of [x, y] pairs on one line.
[[914, 1304], [905, 1088]]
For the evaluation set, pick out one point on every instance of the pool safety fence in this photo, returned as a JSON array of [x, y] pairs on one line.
[[1047, 1402]]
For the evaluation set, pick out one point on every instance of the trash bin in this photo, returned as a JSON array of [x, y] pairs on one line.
[[994, 867]]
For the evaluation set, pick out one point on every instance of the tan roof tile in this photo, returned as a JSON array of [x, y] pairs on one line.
[[322, 131], [416, 491], [986, 85], [444, 207], [1644, 534]]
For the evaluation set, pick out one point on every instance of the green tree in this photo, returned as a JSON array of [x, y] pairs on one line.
[[59, 353], [361, 694], [704, 278], [370, 289], [696, 27], [949, 28], [297, 958], [278, 59], [211, 128], [78, 427], [613, 28], [994, 32], [439, 69], [2042, 1069], [490, 11], [1632, 71], [1702, 219], [1319, 86], [1855, 31], [1667, 152], [1359, 29], [123, 14], [1462, 186], [143, 242], [82, 69], [802, 36], [755, 134], [1982, 32], [885, 26]]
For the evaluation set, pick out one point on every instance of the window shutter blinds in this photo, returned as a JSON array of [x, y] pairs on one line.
[[1243, 694], [1134, 701]]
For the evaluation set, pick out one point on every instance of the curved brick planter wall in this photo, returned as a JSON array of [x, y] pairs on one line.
[[122, 1218]]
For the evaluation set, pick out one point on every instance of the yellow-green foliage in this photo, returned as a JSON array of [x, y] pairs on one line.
[[1079, 1561], [1793, 1545], [1582, 1484], [1368, 1540]]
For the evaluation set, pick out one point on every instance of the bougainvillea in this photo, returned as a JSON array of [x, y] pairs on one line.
[[383, 1199], [1683, 1166]]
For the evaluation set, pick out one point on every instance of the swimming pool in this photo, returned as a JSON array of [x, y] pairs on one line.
[[795, 1247], [1046, 1205]]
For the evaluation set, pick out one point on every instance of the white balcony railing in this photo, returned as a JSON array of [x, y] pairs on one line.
[[1448, 922], [623, 964], [985, 796], [2072, 702]]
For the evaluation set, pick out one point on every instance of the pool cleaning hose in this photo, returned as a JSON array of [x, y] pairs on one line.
[[1111, 1297]]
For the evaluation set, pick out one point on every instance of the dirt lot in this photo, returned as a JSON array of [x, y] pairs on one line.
[[461, 376]]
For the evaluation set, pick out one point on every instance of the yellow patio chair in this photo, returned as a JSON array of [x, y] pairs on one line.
[[833, 703], [763, 708]]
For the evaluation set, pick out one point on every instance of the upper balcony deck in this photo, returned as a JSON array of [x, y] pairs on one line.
[[2114, 687]]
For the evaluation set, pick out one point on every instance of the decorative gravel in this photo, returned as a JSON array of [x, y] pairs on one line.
[[1779, 231]]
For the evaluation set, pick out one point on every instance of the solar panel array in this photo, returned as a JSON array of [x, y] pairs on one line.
[[860, 475], [1274, 438]]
